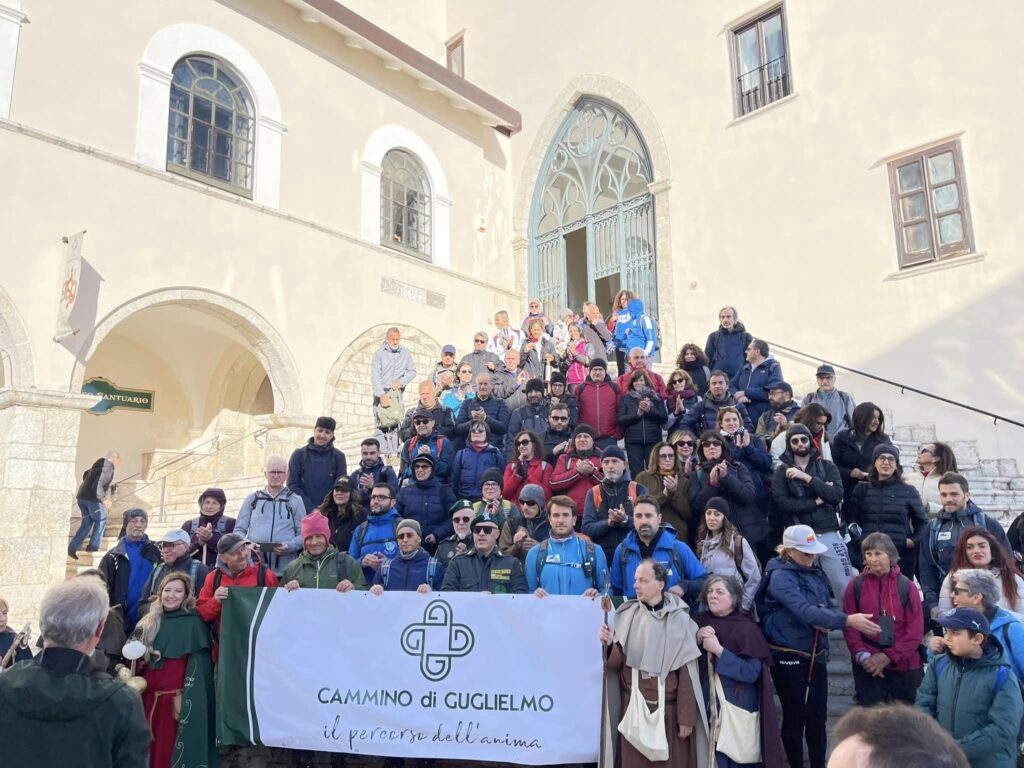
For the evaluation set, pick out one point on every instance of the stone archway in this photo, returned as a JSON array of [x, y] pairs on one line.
[[266, 344], [348, 396], [17, 370], [625, 98]]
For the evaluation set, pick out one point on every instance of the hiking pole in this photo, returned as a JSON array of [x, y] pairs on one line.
[[810, 666]]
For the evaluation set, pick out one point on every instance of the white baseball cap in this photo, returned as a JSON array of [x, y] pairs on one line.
[[802, 539]]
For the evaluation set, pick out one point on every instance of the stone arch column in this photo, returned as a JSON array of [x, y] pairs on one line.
[[15, 348], [625, 98], [266, 343], [348, 396]]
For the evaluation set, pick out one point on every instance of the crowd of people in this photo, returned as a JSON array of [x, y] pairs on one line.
[[738, 525]]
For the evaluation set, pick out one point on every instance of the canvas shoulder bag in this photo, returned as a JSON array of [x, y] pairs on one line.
[[644, 729], [736, 733]]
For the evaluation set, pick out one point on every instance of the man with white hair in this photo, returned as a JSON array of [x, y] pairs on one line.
[[271, 518], [392, 369], [60, 709]]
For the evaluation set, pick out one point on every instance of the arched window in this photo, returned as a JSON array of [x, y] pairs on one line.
[[210, 125], [405, 204]]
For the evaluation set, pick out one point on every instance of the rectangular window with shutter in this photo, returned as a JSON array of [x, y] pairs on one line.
[[929, 205]]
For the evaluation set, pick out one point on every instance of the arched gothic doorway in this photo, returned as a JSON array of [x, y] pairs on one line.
[[592, 218]]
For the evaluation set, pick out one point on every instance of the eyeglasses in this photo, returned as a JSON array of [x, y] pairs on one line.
[[960, 591], [799, 441], [524, 502], [559, 418], [678, 381], [524, 441], [713, 442], [485, 530], [461, 519], [380, 496], [465, 370], [924, 449], [479, 341], [667, 456], [477, 430], [685, 442], [421, 421], [886, 459]]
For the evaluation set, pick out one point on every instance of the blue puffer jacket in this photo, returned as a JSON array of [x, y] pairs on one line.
[[792, 601], [1007, 629], [379, 536], [401, 575], [637, 330], [469, 467], [428, 503], [725, 350], [627, 559], [755, 383]]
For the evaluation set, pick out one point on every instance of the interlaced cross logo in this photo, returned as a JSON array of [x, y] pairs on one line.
[[69, 290], [437, 640]]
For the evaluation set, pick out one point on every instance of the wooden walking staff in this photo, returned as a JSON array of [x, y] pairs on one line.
[[606, 601], [18, 639], [810, 666]]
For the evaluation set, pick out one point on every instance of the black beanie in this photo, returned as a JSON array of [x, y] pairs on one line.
[[492, 476], [557, 377]]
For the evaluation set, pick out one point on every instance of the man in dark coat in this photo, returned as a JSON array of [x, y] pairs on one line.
[[59, 709], [314, 467], [127, 566], [725, 347], [484, 568], [486, 408], [427, 501]]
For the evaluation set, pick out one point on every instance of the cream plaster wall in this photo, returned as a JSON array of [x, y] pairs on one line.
[[786, 212]]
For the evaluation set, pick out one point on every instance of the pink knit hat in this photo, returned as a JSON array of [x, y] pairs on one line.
[[315, 523]]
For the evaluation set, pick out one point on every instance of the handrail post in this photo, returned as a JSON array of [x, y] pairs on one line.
[[163, 493]]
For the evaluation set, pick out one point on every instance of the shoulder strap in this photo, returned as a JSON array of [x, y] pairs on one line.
[[858, 583], [222, 525], [940, 664], [193, 570], [597, 497], [1001, 674], [341, 562], [737, 555], [542, 549], [677, 560], [385, 573], [631, 490], [592, 559], [158, 573], [903, 588], [218, 574], [432, 565], [361, 537], [261, 576]]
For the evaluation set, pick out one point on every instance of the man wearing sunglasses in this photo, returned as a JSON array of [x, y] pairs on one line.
[[481, 359], [427, 501], [484, 568], [426, 441], [460, 542], [557, 436], [807, 490], [412, 569]]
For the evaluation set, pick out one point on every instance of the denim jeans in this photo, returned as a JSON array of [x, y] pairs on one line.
[[94, 519]]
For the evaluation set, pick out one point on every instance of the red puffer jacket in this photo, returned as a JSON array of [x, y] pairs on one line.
[[599, 405]]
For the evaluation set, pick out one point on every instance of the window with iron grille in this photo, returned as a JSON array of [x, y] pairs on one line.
[[405, 204], [210, 125], [929, 205], [762, 67]]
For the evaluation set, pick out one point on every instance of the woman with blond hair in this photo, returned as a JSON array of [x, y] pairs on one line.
[[178, 700]]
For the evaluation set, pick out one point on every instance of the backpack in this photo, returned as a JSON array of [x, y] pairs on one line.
[[412, 453], [977, 521], [902, 588], [432, 565], [261, 577], [390, 417], [222, 524], [599, 498], [91, 476], [193, 571], [1002, 673], [342, 562], [589, 563], [737, 557], [365, 526], [677, 561]]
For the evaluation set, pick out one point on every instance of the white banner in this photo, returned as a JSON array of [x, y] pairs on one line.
[[70, 282], [450, 675]]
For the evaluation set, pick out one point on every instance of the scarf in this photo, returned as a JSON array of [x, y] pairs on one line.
[[656, 641], [738, 633]]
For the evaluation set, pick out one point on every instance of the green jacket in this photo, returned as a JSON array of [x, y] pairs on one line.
[[323, 573], [497, 573], [964, 701], [60, 710]]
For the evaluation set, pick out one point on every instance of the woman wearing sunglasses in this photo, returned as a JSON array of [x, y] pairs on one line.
[[669, 484], [934, 459], [685, 443], [527, 467], [528, 526]]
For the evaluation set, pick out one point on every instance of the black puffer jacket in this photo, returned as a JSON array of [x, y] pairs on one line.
[[738, 489], [847, 456], [642, 429], [891, 507], [795, 499]]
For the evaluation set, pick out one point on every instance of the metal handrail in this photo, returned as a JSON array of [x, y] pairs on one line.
[[904, 388], [163, 478], [215, 439]]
